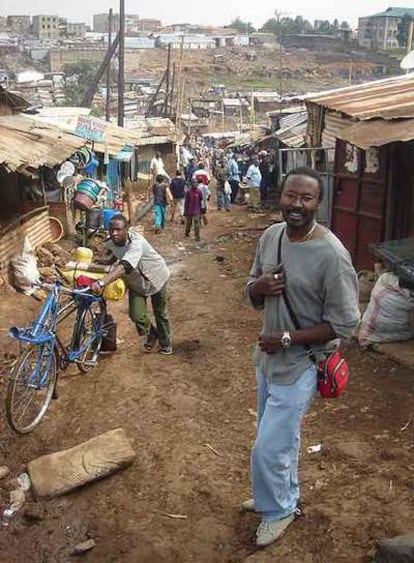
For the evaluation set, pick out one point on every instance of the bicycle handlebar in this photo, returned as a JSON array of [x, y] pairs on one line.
[[86, 291]]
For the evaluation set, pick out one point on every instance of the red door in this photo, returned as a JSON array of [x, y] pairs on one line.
[[359, 200]]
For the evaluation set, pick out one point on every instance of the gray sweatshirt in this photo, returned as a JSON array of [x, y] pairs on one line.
[[149, 272], [321, 285]]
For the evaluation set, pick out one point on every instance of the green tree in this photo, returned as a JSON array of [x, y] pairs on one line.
[[77, 78], [243, 27], [403, 30], [286, 25], [345, 25]]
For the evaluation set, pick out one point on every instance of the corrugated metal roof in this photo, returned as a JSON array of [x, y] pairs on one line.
[[25, 143], [393, 12], [35, 225], [140, 132], [288, 110], [155, 140], [377, 133], [293, 136], [293, 133], [293, 119], [12, 99], [390, 98], [334, 124]]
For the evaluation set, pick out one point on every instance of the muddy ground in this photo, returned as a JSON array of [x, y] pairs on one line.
[[191, 418]]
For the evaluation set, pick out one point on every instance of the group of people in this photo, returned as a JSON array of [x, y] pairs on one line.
[[189, 192]]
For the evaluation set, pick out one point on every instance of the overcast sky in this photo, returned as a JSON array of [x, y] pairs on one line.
[[215, 12]]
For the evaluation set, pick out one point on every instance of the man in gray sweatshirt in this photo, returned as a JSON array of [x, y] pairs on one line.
[[315, 271]]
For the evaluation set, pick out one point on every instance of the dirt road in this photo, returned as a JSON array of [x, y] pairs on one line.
[[191, 418]]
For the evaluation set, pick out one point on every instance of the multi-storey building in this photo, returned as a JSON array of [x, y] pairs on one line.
[[380, 31], [76, 29], [101, 22], [19, 24], [46, 27], [148, 25], [131, 23]]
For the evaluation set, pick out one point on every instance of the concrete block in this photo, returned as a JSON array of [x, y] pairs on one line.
[[61, 472]]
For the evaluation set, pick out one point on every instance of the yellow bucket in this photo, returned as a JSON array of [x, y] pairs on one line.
[[114, 291], [83, 254]]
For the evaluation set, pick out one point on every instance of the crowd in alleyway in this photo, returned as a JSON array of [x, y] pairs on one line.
[[207, 178]]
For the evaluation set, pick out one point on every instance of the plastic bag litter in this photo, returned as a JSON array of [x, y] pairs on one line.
[[25, 271], [390, 313]]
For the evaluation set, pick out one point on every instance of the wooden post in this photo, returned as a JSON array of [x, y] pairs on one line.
[[108, 71], [410, 37], [121, 63]]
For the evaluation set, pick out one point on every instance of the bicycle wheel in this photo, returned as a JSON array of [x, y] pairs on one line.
[[31, 386], [87, 335]]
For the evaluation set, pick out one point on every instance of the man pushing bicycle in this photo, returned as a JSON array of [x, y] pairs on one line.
[[146, 274]]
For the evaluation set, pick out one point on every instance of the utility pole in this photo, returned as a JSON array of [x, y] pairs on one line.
[[167, 85], [121, 63], [174, 72], [350, 73], [180, 84], [93, 85], [108, 71], [279, 40]]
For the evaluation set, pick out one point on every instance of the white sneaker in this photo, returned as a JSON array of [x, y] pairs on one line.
[[248, 505], [269, 532]]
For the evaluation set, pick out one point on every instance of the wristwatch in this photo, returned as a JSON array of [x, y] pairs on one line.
[[100, 283], [286, 340]]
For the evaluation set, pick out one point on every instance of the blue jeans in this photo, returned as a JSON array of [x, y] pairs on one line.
[[275, 454], [159, 216], [223, 200]]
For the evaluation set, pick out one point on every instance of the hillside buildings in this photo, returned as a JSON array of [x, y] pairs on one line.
[[45, 27], [19, 24], [381, 31]]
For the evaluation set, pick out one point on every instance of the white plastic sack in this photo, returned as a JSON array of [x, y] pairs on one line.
[[390, 313], [227, 188], [25, 270]]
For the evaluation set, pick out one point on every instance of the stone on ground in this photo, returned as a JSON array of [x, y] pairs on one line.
[[33, 512], [396, 550], [4, 471], [82, 547], [61, 472]]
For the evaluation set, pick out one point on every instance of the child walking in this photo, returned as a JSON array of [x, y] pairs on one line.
[[162, 197], [192, 209]]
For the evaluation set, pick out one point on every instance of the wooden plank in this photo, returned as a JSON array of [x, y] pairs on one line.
[[61, 472]]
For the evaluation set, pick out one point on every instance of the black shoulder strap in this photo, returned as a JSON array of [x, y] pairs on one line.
[[288, 304]]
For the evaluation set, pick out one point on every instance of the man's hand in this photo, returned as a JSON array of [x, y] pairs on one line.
[[270, 343], [97, 288], [271, 284]]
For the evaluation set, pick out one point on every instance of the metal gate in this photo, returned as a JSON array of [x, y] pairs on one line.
[[320, 159]]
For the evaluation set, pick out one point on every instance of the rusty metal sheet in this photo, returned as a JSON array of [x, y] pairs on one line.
[[378, 132], [25, 143], [391, 98], [36, 228], [334, 123]]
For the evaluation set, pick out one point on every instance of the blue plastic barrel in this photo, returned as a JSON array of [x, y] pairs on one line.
[[107, 216]]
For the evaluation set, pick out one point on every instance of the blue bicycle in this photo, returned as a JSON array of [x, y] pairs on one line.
[[33, 380]]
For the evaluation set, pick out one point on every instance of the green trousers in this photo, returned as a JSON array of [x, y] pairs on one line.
[[197, 225], [138, 313]]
